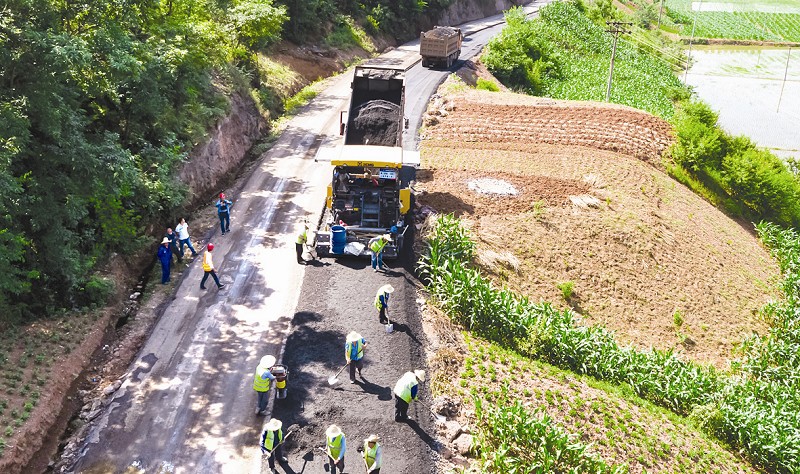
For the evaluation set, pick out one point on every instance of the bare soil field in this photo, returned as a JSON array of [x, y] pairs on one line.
[[644, 255]]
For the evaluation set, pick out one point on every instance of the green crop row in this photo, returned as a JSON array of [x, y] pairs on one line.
[[511, 439], [778, 21], [755, 406], [564, 55]]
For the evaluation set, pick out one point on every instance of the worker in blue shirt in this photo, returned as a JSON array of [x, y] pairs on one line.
[[224, 213], [382, 302]]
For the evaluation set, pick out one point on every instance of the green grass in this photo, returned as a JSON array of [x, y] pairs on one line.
[[486, 85], [346, 33]]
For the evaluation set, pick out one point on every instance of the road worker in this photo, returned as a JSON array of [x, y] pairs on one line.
[[208, 268], [405, 390], [376, 246], [373, 454], [382, 302], [272, 443], [354, 354], [300, 243], [262, 379], [335, 447]]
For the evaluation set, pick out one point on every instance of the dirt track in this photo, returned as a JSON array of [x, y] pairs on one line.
[[326, 312]]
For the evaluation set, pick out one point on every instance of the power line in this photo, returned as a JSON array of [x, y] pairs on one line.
[[616, 28]]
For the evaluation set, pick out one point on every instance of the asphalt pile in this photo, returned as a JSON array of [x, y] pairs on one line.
[[441, 32], [376, 122]]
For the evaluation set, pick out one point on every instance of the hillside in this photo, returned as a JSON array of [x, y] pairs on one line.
[[646, 257]]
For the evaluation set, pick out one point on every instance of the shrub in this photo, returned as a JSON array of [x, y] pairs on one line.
[[486, 85], [96, 291], [566, 289]]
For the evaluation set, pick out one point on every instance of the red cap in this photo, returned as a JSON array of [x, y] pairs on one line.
[[221, 195], [210, 246]]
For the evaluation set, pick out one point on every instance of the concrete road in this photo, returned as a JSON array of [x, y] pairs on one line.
[[187, 404]]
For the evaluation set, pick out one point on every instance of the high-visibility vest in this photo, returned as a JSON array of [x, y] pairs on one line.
[[378, 295], [208, 263], [359, 346], [378, 245], [270, 439], [302, 237], [259, 384], [371, 457], [335, 446], [403, 386]]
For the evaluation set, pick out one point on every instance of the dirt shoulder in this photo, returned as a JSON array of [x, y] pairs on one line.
[[644, 256]]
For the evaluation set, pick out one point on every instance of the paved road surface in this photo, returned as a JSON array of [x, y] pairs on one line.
[[187, 403]]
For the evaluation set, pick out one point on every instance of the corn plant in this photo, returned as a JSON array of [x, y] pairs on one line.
[[755, 406], [511, 439]]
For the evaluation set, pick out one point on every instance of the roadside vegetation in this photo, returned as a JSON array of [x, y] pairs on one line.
[[754, 406]]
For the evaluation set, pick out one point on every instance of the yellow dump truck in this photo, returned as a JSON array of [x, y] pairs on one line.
[[440, 46], [367, 196]]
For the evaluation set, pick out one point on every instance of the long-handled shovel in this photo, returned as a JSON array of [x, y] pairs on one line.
[[335, 378], [430, 408], [389, 326]]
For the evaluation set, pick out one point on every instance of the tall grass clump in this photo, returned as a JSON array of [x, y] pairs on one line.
[[755, 406], [512, 439]]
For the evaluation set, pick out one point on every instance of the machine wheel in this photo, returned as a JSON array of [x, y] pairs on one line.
[[425, 62]]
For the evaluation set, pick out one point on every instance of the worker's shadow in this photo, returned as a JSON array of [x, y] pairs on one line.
[[425, 437], [317, 263], [307, 458], [383, 393], [400, 327]]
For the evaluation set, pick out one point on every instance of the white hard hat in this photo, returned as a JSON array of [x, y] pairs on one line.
[[268, 361], [387, 288], [333, 431], [353, 336], [372, 439], [420, 374], [274, 424]]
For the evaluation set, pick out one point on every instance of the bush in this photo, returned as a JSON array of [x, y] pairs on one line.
[[486, 85], [97, 290]]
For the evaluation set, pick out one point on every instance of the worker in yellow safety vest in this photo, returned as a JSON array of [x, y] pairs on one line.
[[300, 243], [262, 379], [335, 447], [354, 353], [373, 455], [272, 443], [376, 246], [208, 268], [405, 390], [382, 302]]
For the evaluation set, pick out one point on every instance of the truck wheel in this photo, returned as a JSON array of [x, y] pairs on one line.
[[424, 62]]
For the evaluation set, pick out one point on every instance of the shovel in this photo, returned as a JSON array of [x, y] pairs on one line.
[[438, 417], [389, 326], [335, 378]]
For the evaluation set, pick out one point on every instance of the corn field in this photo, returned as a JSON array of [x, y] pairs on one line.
[[512, 440], [755, 406]]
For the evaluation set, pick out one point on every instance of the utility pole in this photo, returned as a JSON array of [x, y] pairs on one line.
[[660, 12], [616, 28], [694, 24], [785, 74]]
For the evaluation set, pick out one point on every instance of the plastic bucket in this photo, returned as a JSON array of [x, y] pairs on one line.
[[338, 238]]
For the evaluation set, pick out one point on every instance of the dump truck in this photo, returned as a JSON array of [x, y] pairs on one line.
[[367, 197], [440, 46]]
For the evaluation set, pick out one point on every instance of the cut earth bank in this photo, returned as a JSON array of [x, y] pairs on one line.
[[103, 343], [569, 203]]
